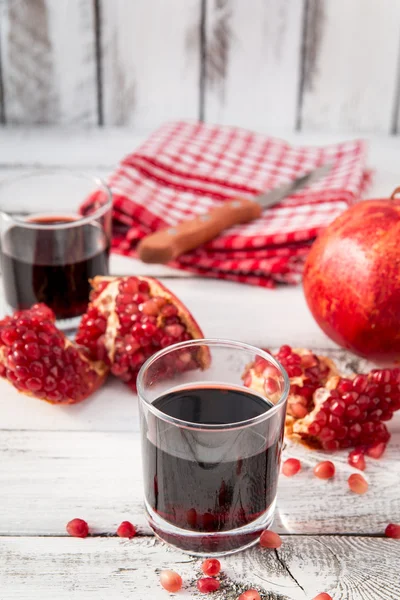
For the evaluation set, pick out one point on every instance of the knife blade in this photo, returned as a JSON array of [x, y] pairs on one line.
[[165, 245]]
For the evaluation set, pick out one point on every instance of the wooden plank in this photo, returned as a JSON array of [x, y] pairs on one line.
[[151, 61], [253, 62], [48, 62], [50, 477], [357, 568], [351, 62]]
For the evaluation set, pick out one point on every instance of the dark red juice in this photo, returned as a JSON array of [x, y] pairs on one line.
[[53, 265], [211, 482]]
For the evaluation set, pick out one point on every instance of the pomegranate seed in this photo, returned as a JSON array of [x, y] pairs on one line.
[[170, 580], [291, 466], [250, 595], [205, 585], [324, 470], [211, 567], [33, 384], [356, 459], [376, 450], [323, 596], [126, 530], [298, 410], [338, 408], [393, 531], [357, 484], [78, 528], [270, 539]]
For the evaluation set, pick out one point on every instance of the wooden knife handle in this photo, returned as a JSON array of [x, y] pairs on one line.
[[165, 245]]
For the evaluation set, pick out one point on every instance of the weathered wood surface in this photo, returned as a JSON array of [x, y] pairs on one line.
[[150, 61], [350, 74], [252, 62], [48, 62], [357, 568]]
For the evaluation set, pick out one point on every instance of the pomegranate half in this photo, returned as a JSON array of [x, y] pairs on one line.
[[352, 279], [129, 319]]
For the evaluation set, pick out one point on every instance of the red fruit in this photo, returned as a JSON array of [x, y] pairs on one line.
[[270, 539], [376, 450], [359, 308], [170, 580], [211, 567], [291, 466], [78, 528], [324, 470], [357, 484], [393, 531], [323, 596], [250, 595], [131, 318], [126, 530], [205, 585], [356, 459], [40, 361]]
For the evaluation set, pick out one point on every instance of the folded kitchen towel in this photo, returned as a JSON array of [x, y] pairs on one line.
[[186, 168]]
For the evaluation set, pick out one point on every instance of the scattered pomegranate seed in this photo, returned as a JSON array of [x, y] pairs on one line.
[[126, 530], [205, 585], [250, 595], [170, 580], [393, 531], [376, 450], [357, 483], [78, 528], [211, 567], [324, 469], [323, 596], [291, 466], [270, 539], [356, 459]]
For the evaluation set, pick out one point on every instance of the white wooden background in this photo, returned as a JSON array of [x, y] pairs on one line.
[[265, 64]]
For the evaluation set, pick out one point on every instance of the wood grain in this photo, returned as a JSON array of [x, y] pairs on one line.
[[50, 477], [48, 56], [351, 65], [98, 568], [253, 62], [151, 61]]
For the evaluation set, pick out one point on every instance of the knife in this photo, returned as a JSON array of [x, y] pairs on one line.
[[167, 244]]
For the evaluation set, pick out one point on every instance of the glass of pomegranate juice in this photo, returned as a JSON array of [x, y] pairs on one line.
[[211, 445], [49, 251]]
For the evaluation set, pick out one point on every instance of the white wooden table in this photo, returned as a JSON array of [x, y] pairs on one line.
[[84, 461]]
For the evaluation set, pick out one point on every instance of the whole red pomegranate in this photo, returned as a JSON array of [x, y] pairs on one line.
[[352, 279], [40, 361], [129, 319]]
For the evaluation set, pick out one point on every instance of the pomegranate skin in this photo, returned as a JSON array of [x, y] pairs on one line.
[[351, 280]]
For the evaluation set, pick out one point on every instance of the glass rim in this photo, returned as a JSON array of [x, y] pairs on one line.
[[76, 222], [207, 426]]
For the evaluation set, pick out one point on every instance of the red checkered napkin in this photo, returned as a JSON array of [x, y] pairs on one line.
[[185, 169]]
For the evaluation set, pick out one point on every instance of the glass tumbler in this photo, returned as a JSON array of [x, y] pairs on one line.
[[211, 443], [49, 250]]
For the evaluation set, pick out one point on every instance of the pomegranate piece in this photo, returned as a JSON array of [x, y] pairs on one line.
[[323, 596], [131, 318], [393, 531], [250, 595], [40, 361], [324, 470], [126, 530], [376, 450], [205, 585], [291, 466], [77, 528], [170, 580], [357, 483], [356, 459], [211, 567], [270, 539]]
